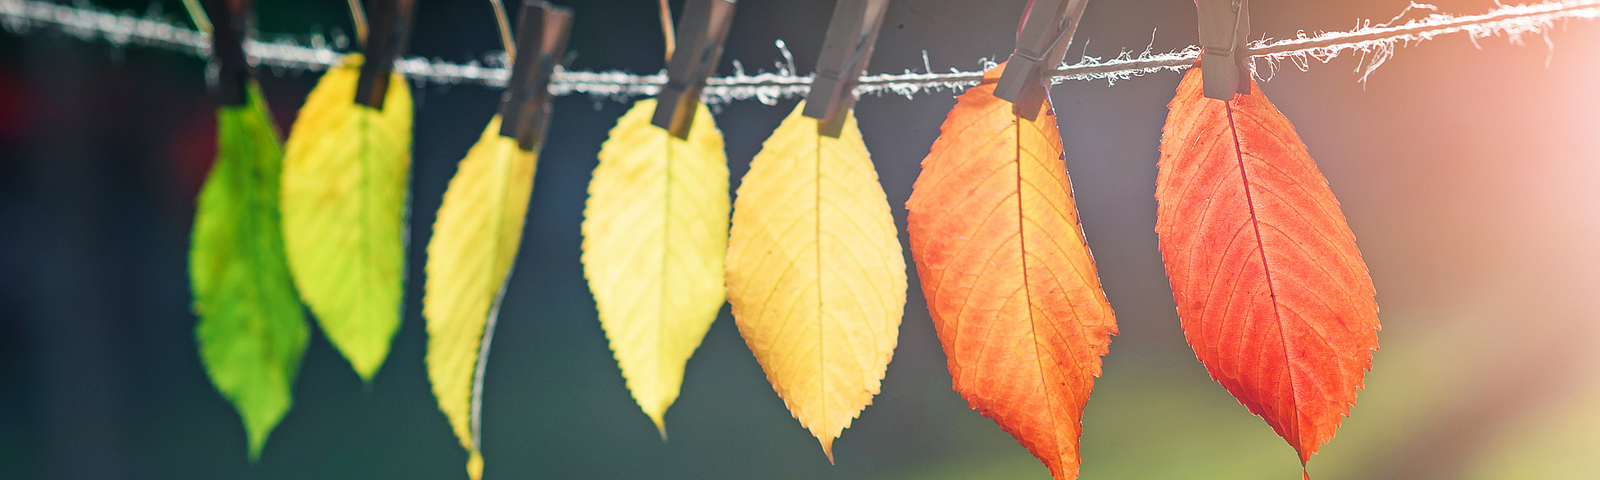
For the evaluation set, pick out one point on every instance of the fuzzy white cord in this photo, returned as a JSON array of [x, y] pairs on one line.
[[1374, 42]]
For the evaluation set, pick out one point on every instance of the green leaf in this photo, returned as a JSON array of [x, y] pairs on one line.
[[252, 333]]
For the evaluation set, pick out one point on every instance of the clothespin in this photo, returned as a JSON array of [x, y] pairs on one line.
[[542, 31], [1224, 34], [391, 33], [701, 32], [1041, 46], [231, 22], [845, 53]]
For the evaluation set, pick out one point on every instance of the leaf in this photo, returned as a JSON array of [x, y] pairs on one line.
[[815, 273], [346, 176], [655, 232], [251, 333], [1008, 276], [1270, 287], [474, 245]]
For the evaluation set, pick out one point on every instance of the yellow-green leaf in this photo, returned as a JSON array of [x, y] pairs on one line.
[[346, 172], [815, 273], [654, 235], [251, 331], [475, 241]]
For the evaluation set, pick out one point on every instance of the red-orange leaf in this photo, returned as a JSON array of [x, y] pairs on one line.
[[1271, 290], [1009, 280]]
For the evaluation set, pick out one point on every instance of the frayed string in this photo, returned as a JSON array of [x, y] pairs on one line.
[[1373, 44]]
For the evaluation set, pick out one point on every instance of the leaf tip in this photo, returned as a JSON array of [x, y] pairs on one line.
[[257, 444], [257, 429], [475, 465], [367, 366], [661, 426], [827, 448]]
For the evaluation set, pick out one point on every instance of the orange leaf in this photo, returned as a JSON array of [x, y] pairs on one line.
[[1271, 290], [1009, 280]]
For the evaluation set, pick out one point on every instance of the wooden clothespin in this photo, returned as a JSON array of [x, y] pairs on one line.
[[542, 31], [844, 57], [1041, 46], [231, 22], [701, 31], [1224, 34], [391, 33]]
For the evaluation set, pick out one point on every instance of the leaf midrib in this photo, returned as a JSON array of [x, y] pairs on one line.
[[1266, 269]]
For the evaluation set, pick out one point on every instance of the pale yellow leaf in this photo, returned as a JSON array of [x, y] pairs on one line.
[[815, 273], [474, 244], [654, 235], [346, 175]]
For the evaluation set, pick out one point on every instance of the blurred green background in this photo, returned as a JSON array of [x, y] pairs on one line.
[[1468, 172]]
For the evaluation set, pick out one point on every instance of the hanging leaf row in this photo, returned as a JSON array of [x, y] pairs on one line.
[[1271, 291]]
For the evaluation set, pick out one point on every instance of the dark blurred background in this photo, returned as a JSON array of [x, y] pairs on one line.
[[1467, 170]]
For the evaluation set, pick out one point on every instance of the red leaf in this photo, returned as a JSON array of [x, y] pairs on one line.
[[1009, 280], [1270, 288]]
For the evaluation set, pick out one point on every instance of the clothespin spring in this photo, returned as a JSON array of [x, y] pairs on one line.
[[1041, 46], [1065, 22], [702, 29], [1225, 60], [846, 51], [230, 25], [384, 44], [542, 31]]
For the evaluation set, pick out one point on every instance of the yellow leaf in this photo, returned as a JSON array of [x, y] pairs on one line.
[[346, 172], [815, 273], [654, 235], [474, 244]]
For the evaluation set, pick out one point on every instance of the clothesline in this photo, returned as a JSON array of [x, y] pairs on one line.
[[1375, 43]]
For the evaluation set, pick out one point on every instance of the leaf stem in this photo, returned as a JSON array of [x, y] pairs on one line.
[[358, 16], [198, 15], [666, 29], [506, 41]]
